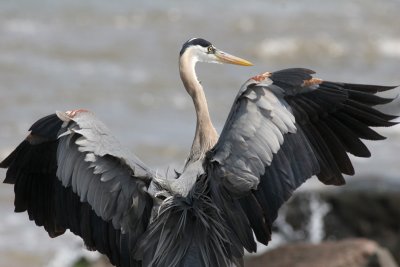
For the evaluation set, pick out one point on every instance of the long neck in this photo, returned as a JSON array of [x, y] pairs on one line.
[[206, 136]]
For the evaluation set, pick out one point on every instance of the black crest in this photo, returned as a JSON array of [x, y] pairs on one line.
[[194, 41]]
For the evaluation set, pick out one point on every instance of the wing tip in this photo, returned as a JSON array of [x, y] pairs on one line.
[[5, 163], [372, 88]]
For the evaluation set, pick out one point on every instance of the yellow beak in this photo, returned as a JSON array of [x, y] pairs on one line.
[[230, 59]]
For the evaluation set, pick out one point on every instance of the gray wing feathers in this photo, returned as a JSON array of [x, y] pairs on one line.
[[97, 139], [100, 172], [253, 134]]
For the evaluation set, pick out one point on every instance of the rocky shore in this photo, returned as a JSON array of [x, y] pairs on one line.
[[364, 208], [345, 253], [357, 225]]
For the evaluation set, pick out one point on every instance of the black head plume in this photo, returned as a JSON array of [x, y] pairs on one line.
[[194, 41]]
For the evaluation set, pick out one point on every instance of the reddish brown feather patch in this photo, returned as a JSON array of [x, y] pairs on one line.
[[311, 82], [73, 113], [261, 77]]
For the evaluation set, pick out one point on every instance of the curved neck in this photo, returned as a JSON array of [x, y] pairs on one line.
[[206, 136]]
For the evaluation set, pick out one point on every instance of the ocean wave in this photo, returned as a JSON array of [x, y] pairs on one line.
[[389, 47], [306, 47], [22, 26], [292, 46]]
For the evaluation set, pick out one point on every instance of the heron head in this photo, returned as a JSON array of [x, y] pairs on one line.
[[201, 50]]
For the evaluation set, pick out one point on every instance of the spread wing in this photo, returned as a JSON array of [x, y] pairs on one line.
[[70, 173], [283, 128]]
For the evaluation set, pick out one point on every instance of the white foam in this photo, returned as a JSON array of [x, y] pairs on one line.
[[389, 47], [290, 46], [278, 46], [21, 26], [315, 225]]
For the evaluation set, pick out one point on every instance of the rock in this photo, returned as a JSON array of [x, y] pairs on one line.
[[102, 261], [365, 207], [345, 253]]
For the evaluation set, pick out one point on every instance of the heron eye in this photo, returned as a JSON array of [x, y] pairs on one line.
[[210, 49]]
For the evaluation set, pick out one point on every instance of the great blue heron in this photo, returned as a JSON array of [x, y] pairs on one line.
[[284, 127]]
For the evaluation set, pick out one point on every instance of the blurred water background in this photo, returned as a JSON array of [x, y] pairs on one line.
[[120, 58]]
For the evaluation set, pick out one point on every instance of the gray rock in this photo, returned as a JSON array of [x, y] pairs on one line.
[[365, 207], [345, 253]]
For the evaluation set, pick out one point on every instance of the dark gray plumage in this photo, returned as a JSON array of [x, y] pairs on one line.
[[284, 127]]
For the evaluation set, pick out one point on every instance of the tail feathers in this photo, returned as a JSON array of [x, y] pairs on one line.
[[189, 232]]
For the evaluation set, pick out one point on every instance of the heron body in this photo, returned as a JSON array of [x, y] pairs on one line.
[[283, 128]]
